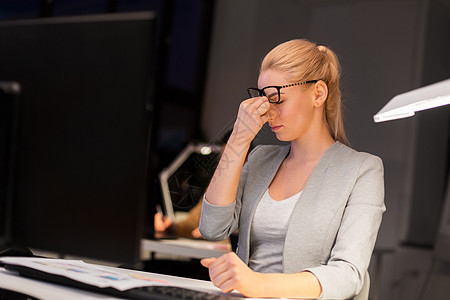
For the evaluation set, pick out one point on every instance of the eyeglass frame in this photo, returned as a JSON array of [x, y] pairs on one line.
[[278, 87]]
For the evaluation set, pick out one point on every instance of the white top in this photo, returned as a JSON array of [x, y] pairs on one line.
[[268, 233]]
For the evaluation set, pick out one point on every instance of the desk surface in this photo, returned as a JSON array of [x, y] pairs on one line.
[[182, 247], [186, 247]]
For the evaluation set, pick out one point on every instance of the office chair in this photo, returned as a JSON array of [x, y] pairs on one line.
[[364, 293], [441, 250]]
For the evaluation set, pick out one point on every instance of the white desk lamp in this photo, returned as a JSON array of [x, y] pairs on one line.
[[405, 105]]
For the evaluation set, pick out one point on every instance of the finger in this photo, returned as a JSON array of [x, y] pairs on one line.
[[223, 282], [253, 103], [254, 108], [259, 101], [254, 99], [227, 286], [264, 118], [196, 233], [167, 222], [217, 268], [223, 265], [158, 217], [158, 222], [224, 279], [206, 262], [263, 108], [257, 108]]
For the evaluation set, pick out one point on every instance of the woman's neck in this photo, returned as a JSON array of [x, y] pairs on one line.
[[310, 147]]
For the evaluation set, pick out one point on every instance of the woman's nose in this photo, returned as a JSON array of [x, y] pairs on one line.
[[272, 113]]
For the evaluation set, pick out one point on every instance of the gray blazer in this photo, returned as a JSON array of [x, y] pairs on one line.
[[333, 228]]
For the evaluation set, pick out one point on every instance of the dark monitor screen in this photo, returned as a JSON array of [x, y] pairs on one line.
[[81, 162], [9, 105]]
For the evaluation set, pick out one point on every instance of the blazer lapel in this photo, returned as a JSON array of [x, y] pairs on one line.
[[259, 184], [304, 210]]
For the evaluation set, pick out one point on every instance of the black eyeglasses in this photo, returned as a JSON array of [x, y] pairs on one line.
[[272, 92]]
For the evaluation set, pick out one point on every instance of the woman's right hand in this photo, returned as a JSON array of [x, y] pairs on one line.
[[228, 272], [252, 115]]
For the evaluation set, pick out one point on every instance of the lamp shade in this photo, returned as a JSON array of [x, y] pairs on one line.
[[406, 104]]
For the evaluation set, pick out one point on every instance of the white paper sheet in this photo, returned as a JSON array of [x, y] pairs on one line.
[[86, 273]]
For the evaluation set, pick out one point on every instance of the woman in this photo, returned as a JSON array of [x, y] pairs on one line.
[[308, 213]]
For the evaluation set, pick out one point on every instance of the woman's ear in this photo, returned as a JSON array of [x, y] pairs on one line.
[[320, 93]]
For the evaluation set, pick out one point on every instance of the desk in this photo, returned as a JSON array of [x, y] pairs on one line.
[[186, 247], [49, 291]]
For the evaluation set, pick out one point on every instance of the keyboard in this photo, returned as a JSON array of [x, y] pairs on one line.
[[174, 293], [141, 293]]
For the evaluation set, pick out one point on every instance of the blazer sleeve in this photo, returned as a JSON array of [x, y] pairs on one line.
[[342, 276], [219, 222]]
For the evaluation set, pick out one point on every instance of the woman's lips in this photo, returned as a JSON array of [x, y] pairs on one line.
[[276, 128]]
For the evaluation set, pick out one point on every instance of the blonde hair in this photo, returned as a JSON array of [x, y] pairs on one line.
[[302, 60]]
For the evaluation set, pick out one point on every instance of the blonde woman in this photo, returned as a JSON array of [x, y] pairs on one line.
[[308, 213]]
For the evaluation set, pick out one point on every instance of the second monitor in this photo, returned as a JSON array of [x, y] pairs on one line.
[[80, 185]]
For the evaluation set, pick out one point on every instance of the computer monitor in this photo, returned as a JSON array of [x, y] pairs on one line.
[[84, 128], [9, 105]]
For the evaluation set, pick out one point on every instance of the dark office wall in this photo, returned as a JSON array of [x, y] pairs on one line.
[[10, 9], [432, 148]]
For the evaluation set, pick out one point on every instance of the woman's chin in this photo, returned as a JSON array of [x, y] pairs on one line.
[[282, 138]]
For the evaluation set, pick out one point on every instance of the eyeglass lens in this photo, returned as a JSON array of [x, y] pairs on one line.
[[271, 93]]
